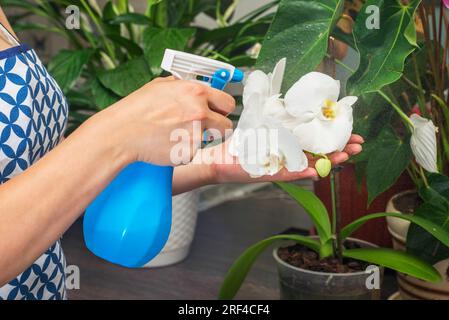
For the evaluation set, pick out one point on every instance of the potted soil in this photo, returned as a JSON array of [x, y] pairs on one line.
[[303, 276]]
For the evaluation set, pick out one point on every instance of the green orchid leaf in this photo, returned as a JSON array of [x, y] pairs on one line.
[[389, 158], [434, 229], [156, 40], [240, 268], [397, 260], [383, 51], [435, 208], [127, 77], [313, 206], [299, 32], [67, 65]]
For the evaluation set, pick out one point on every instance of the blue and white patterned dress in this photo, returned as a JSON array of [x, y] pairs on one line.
[[33, 117]]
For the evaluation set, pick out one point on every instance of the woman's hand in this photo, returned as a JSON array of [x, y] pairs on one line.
[[215, 165], [149, 122], [223, 173]]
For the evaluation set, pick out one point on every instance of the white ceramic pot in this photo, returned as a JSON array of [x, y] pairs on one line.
[[411, 288], [184, 216], [397, 227]]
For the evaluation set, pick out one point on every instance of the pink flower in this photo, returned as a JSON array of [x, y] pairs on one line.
[[446, 3]]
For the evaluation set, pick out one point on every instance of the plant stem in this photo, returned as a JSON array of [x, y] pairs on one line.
[[423, 176], [107, 45], [401, 113], [340, 63], [336, 219]]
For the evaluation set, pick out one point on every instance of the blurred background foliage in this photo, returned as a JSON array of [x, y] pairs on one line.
[[116, 49]]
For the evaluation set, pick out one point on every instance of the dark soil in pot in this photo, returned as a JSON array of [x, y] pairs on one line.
[[407, 203], [302, 257]]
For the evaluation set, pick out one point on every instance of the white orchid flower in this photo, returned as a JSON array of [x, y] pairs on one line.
[[424, 142], [323, 124], [309, 118], [262, 145]]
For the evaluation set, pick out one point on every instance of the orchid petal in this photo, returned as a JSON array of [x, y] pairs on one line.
[[323, 137], [277, 77], [295, 159], [348, 101], [308, 94], [256, 83], [423, 142]]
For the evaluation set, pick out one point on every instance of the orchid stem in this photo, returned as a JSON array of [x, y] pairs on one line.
[[336, 223], [401, 113], [340, 63], [423, 176]]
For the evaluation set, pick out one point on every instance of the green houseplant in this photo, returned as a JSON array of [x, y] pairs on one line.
[[330, 243], [420, 93], [385, 55]]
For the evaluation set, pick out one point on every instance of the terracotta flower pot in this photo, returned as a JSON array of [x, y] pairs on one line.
[[411, 288], [398, 227]]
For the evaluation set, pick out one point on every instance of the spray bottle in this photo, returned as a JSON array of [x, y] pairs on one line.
[[129, 222]]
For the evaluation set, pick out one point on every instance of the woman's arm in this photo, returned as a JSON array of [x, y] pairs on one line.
[[215, 165], [37, 206]]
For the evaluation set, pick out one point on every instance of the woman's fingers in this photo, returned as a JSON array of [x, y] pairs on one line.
[[220, 101], [357, 139], [353, 149], [216, 121], [338, 157]]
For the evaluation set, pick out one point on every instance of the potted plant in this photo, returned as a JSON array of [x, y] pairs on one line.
[[410, 128], [332, 265], [116, 50], [386, 41]]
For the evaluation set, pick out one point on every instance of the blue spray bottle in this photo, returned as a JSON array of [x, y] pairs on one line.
[[129, 222]]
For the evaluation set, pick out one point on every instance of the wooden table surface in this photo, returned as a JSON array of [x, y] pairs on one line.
[[223, 232]]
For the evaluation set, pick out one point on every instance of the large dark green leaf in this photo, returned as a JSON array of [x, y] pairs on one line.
[[156, 40], [313, 206], [299, 32], [103, 97], [67, 65], [397, 260], [389, 159], [127, 77], [383, 51], [436, 231], [240, 268], [436, 209], [129, 45]]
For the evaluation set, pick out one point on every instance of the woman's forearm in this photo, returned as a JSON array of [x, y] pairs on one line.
[[191, 176], [37, 206]]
